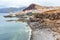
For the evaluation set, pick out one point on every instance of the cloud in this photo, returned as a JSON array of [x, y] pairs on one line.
[[15, 3], [20, 3]]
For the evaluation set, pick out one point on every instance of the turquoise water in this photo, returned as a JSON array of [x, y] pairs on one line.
[[13, 30]]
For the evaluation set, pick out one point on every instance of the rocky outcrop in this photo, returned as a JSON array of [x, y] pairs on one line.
[[45, 26]]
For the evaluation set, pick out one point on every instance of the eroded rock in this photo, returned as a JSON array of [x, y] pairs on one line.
[[45, 26]]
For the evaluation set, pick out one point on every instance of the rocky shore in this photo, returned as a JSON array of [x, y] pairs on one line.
[[45, 26], [50, 30]]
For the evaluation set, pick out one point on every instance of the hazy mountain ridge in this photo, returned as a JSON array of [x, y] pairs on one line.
[[7, 10]]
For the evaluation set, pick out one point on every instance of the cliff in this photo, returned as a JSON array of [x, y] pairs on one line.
[[45, 26]]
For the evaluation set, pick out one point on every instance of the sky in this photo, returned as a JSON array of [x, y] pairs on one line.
[[22, 3]]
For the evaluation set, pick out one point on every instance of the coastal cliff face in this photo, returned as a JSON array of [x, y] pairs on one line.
[[45, 26], [49, 30]]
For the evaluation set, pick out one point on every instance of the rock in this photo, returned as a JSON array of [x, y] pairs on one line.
[[45, 31], [10, 15], [45, 26]]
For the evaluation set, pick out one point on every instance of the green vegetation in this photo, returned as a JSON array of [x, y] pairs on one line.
[[30, 14]]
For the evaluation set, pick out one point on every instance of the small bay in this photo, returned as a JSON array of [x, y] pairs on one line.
[[13, 30]]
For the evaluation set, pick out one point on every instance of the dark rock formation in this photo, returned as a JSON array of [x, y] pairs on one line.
[[33, 7]]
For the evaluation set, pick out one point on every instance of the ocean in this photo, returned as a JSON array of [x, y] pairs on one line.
[[13, 30]]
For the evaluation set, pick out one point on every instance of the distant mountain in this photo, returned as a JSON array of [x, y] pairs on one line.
[[38, 7], [7, 10], [33, 7]]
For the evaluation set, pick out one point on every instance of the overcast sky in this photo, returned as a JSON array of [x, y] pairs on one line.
[[21, 3]]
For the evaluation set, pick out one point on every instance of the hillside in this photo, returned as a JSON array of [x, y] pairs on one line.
[[40, 8], [45, 25], [33, 7]]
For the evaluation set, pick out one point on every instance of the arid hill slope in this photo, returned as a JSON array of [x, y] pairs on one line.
[[37, 7], [49, 20], [33, 7], [52, 11]]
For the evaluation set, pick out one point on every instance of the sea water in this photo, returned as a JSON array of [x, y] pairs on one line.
[[13, 30]]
